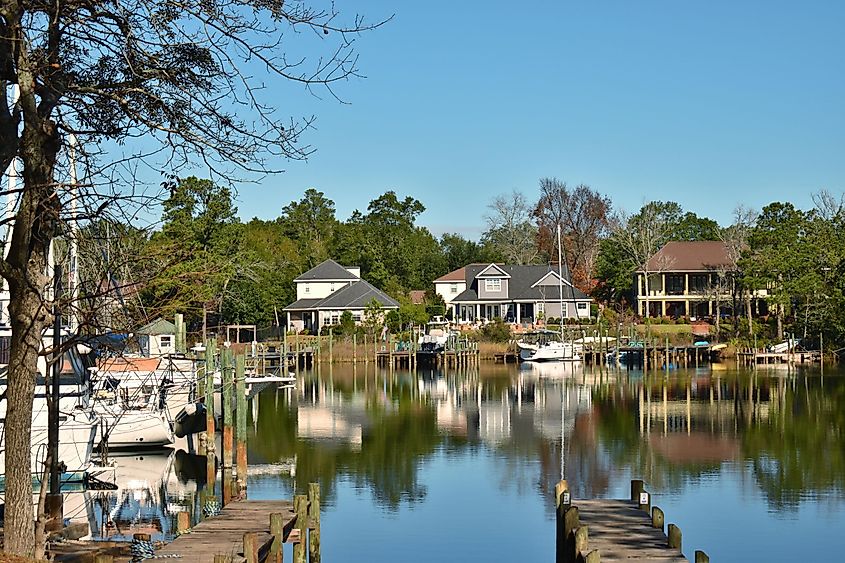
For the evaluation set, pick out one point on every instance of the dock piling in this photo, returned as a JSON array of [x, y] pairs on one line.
[[300, 507], [314, 522], [240, 422], [251, 547], [277, 524], [701, 557], [675, 539], [658, 519]]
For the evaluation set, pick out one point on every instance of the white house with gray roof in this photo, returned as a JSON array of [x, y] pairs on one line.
[[516, 294], [328, 289]]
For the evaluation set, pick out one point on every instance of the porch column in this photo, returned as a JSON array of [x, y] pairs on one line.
[[477, 311], [288, 325], [709, 308], [686, 284], [663, 279], [663, 307], [686, 308], [518, 313]]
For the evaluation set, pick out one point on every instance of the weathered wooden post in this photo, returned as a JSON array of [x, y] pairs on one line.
[[220, 558], [314, 522], [658, 519], [300, 507], [674, 533], [210, 368], [581, 540], [240, 422], [103, 558], [179, 322], [637, 487], [701, 557], [354, 347], [226, 390], [331, 353], [183, 522], [277, 523], [251, 547]]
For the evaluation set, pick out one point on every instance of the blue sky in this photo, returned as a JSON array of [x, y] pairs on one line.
[[710, 104]]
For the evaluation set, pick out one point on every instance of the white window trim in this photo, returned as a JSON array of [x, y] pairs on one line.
[[493, 285]]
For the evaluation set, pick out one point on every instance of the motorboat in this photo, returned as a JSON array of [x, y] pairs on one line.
[[436, 336]]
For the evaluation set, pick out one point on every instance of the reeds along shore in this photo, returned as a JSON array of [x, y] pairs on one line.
[[348, 349]]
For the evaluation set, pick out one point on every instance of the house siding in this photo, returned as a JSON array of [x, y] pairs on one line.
[[483, 293]]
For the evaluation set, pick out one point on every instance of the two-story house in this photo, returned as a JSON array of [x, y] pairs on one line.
[[517, 294], [328, 289], [689, 279]]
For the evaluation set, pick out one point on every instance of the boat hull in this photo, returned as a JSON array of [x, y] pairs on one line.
[[136, 430]]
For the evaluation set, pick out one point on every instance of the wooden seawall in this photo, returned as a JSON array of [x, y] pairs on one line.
[[599, 530]]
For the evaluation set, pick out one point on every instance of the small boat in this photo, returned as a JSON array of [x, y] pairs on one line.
[[436, 336], [131, 402], [546, 346]]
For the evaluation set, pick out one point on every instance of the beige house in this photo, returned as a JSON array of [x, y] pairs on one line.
[[689, 279]]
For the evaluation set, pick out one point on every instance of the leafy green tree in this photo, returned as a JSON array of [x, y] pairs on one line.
[[198, 248], [311, 223], [458, 252]]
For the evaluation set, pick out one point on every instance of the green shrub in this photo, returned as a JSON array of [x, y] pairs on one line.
[[497, 331]]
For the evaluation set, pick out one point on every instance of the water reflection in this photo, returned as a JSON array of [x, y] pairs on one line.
[[780, 435]]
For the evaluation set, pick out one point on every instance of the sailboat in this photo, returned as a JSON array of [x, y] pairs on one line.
[[547, 345]]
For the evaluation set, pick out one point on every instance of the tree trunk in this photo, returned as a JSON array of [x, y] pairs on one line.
[[780, 321], [748, 313], [24, 268]]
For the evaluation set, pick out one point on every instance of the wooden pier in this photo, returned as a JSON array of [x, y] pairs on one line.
[[599, 530], [764, 358], [239, 527]]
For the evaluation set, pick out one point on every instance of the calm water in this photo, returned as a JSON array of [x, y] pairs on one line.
[[461, 466], [448, 466]]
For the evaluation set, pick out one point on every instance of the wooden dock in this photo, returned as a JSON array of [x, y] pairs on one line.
[[620, 531], [224, 533], [597, 530]]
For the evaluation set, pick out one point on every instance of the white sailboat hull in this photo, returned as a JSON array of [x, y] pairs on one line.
[[549, 352], [136, 429]]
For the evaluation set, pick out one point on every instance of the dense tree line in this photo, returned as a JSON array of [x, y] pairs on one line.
[[205, 261]]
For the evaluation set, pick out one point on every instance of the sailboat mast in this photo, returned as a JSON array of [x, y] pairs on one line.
[[560, 279]]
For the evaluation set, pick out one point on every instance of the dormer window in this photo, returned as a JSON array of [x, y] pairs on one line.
[[493, 284]]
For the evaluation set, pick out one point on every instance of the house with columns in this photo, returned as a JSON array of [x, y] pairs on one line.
[[688, 279], [328, 289], [513, 293]]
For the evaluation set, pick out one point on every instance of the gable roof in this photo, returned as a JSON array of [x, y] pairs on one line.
[[493, 270], [328, 270], [690, 256], [458, 275], [356, 295], [158, 326], [522, 285]]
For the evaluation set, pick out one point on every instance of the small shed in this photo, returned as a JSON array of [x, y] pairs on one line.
[[157, 338]]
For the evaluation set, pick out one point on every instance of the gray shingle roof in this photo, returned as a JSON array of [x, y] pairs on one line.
[[328, 270], [356, 295], [519, 285]]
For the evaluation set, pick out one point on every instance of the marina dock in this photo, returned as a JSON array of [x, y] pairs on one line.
[[597, 530], [243, 531]]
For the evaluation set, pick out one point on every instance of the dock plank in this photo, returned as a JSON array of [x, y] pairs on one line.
[[223, 534], [622, 532]]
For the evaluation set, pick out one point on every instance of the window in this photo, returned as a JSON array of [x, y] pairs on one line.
[[581, 306], [334, 318], [165, 341], [331, 287], [493, 284], [453, 288], [307, 288], [541, 307]]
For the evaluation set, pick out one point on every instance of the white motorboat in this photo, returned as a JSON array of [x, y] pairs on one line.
[[436, 336]]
